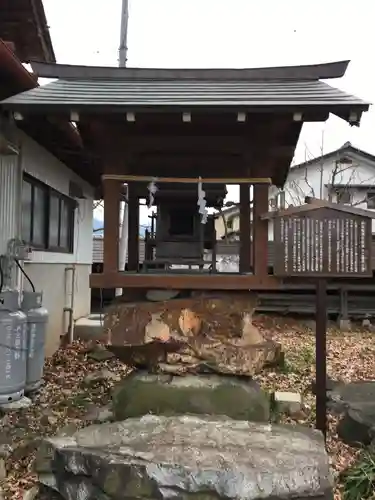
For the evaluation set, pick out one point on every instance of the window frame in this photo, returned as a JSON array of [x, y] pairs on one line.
[[370, 195], [48, 192], [341, 193]]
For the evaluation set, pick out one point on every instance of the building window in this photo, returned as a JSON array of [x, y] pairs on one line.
[[370, 198], [343, 196], [47, 217], [345, 160], [230, 223]]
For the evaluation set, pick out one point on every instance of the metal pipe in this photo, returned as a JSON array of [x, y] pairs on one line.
[[123, 244], [70, 307], [123, 49]]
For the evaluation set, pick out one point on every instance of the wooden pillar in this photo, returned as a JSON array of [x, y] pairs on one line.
[[133, 228], [245, 229], [111, 198], [260, 228]]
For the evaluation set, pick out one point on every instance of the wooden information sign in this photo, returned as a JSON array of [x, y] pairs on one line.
[[322, 243], [322, 240]]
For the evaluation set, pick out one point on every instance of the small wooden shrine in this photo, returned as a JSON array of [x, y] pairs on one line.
[[180, 236], [181, 136]]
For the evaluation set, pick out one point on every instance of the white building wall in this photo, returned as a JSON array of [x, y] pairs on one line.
[[9, 196], [313, 181], [42, 165], [51, 272]]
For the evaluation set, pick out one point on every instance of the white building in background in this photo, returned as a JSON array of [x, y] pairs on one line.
[[46, 200], [346, 175]]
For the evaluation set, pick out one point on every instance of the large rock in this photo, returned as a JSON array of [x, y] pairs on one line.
[[46, 493], [142, 321], [191, 335], [356, 401], [357, 427], [182, 457], [355, 392], [140, 394]]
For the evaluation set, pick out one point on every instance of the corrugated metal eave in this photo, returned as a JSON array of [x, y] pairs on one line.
[[182, 93], [208, 103]]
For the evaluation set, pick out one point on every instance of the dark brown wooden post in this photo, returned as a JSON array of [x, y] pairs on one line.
[[321, 355], [111, 197], [133, 225], [245, 224], [260, 230]]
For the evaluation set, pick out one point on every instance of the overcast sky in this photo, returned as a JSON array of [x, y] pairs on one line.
[[231, 33]]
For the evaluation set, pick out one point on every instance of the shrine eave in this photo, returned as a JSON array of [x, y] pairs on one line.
[[130, 90], [57, 98]]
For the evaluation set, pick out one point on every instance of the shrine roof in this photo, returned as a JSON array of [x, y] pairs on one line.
[[119, 89]]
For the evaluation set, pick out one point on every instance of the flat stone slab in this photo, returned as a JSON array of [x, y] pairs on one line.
[[141, 393], [178, 457]]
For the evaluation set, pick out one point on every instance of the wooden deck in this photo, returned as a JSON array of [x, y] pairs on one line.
[[184, 281]]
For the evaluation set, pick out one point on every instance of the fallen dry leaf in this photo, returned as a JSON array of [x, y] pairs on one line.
[[62, 401], [350, 357]]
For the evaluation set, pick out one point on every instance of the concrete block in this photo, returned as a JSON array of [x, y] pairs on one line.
[[288, 402], [89, 329], [344, 325], [21, 404]]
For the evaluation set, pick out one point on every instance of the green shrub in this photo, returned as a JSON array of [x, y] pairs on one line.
[[359, 480]]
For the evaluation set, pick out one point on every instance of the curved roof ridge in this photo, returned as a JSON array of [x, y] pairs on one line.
[[304, 72]]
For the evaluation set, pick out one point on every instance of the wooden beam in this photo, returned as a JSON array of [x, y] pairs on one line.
[[218, 155], [224, 281], [188, 180], [245, 229], [133, 228], [111, 196], [186, 166], [169, 143], [214, 145], [260, 228], [208, 125]]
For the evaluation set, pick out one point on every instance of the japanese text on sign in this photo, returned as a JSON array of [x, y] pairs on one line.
[[313, 245]]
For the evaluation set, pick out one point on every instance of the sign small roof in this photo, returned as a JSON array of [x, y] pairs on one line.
[[316, 204]]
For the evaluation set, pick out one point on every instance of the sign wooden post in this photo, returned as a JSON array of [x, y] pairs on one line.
[[322, 240], [321, 355]]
